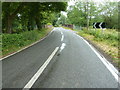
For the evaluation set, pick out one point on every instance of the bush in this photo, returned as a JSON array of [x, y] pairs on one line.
[[109, 39], [13, 41], [108, 35]]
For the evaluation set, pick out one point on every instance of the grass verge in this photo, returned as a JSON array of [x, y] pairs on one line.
[[14, 42], [106, 41]]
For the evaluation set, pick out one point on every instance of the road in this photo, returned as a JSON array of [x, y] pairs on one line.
[[74, 65]]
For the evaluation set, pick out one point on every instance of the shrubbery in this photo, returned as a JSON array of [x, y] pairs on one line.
[[107, 41], [12, 42], [108, 35]]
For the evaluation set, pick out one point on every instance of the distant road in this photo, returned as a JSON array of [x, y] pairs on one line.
[[72, 65]]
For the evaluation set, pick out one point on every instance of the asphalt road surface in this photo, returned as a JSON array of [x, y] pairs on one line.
[[74, 65]]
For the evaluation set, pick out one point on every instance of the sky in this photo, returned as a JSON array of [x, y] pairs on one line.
[[72, 2]]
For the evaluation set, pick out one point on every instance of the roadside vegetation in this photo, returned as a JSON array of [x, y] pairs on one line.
[[106, 41], [13, 42]]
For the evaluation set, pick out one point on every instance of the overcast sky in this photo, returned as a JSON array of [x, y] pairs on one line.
[[72, 2]]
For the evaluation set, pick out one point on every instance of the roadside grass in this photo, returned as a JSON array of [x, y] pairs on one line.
[[107, 41], [14, 42]]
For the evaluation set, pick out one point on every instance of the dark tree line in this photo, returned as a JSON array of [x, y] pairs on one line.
[[28, 15]]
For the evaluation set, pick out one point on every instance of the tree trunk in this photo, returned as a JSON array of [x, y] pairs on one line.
[[11, 17], [28, 26], [38, 23], [9, 25], [87, 16]]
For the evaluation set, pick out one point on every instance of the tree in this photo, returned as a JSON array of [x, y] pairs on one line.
[[28, 14], [61, 20], [110, 14], [82, 13], [86, 13], [10, 10]]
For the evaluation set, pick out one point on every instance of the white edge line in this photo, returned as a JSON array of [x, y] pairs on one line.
[[25, 47], [103, 59], [41, 69]]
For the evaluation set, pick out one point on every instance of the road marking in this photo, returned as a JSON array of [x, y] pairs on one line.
[[109, 66], [25, 47], [62, 46], [61, 32], [62, 36], [41, 69]]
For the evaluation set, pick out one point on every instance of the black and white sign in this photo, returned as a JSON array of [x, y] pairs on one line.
[[99, 25]]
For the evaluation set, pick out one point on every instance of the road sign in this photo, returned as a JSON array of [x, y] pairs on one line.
[[99, 25], [94, 25]]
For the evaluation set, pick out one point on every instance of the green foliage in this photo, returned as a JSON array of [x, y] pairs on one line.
[[19, 39], [11, 42], [110, 36], [78, 14], [62, 20], [86, 13], [49, 24], [107, 41], [110, 14], [29, 15]]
